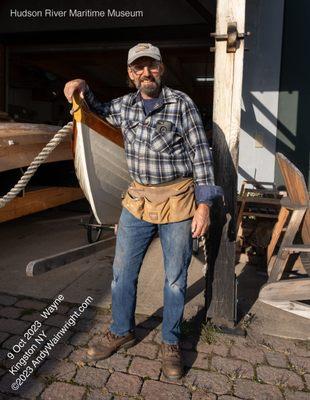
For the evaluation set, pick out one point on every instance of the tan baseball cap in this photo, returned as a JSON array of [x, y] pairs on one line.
[[143, 50]]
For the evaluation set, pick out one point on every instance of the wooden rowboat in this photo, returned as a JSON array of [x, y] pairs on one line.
[[21, 142], [100, 163]]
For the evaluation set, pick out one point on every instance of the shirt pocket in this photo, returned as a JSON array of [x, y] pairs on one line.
[[130, 131], [166, 137]]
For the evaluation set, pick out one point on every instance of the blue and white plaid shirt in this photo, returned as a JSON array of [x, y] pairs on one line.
[[167, 143]]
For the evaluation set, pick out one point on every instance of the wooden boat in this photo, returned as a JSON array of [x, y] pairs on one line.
[[100, 163], [21, 142]]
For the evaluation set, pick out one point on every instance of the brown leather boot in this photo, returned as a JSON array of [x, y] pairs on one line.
[[109, 345], [172, 361]]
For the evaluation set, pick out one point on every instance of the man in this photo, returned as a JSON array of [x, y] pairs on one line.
[[165, 146]]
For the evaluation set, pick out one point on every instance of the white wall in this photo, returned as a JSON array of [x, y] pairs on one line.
[[261, 77]]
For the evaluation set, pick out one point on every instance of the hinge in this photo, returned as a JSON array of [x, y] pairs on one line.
[[232, 37]]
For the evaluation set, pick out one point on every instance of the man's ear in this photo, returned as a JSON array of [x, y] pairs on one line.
[[130, 74]]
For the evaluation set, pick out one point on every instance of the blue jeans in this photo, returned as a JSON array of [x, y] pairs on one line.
[[133, 239]]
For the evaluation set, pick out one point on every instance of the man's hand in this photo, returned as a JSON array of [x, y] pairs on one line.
[[201, 220], [75, 85]]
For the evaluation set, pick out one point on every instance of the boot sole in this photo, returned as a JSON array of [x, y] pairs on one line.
[[127, 345]]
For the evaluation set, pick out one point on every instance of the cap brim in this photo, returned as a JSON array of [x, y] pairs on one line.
[[143, 54]]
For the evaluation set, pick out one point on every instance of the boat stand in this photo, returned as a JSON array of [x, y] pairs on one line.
[[95, 230]]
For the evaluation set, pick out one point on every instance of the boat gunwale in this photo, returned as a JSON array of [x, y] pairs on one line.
[[82, 114]]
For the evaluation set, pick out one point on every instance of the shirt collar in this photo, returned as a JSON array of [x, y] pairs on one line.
[[166, 96]]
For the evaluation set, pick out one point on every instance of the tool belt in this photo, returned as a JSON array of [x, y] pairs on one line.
[[159, 204]]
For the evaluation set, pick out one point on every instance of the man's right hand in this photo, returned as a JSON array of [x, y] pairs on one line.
[[75, 85]]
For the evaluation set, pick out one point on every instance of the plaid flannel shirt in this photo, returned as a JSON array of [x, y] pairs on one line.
[[166, 144]]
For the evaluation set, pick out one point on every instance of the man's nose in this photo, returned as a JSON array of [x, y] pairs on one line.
[[146, 70]]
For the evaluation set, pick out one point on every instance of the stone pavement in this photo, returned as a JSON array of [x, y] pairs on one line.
[[218, 366], [57, 230]]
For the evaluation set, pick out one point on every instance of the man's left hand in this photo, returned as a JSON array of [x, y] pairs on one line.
[[201, 220]]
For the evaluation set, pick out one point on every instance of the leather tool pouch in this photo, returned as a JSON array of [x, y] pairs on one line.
[[163, 203]]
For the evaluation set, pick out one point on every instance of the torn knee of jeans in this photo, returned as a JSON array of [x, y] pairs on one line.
[[174, 285], [114, 281]]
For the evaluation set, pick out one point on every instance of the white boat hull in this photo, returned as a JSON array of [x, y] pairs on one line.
[[102, 172]]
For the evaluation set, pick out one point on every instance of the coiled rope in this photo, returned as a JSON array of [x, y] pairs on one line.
[[39, 159]]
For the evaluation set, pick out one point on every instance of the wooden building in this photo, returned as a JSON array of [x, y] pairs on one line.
[[42, 48], [39, 54]]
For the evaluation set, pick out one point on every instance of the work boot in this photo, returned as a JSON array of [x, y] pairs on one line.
[[109, 345], [172, 361]]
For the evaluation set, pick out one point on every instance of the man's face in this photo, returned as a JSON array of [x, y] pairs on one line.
[[145, 72]]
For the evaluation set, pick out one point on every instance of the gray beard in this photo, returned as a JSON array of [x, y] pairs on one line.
[[151, 91]]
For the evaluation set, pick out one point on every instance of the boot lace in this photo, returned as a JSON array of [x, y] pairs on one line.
[[110, 336], [172, 350]]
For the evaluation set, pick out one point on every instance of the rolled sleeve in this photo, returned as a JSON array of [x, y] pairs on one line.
[[206, 194]]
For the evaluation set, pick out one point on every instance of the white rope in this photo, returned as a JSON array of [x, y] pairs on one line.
[[204, 249], [39, 159]]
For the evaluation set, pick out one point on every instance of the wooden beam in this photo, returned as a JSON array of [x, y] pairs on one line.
[[260, 215], [261, 200], [271, 320], [293, 307], [276, 233], [2, 77], [228, 73], [289, 289], [283, 255], [176, 69], [69, 70], [39, 200], [297, 248], [207, 13], [37, 267]]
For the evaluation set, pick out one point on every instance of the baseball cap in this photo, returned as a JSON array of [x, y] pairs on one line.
[[143, 50]]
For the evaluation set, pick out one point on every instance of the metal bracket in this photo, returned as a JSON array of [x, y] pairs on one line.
[[232, 37]]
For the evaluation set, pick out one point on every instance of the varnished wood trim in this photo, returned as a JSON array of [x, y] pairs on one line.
[[83, 115]]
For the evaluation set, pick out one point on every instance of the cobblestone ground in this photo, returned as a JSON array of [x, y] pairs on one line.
[[218, 366]]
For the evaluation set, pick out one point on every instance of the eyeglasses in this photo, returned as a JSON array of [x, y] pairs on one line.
[[138, 68]]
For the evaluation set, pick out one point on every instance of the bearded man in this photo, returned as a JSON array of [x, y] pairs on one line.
[[173, 188]]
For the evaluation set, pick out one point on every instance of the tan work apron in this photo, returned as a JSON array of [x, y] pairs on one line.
[[163, 203]]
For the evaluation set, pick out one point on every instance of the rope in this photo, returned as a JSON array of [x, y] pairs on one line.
[[204, 249], [39, 159]]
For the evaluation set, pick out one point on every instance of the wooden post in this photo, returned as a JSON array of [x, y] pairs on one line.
[[2, 77], [228, 74]]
